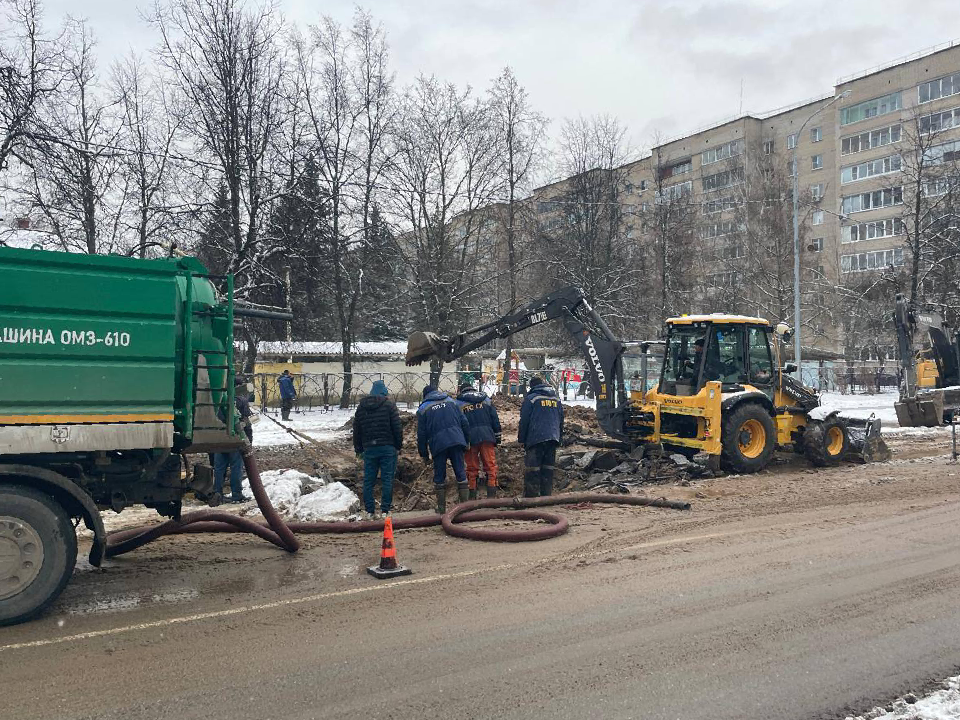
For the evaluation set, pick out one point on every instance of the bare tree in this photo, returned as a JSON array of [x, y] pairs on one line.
[[75, 160], [930, 221], [148, 134], [519, 133], [444, 171], [228, 63], [31, 72], [673, 223]]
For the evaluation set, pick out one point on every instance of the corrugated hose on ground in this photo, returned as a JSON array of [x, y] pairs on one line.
[[284, 534]]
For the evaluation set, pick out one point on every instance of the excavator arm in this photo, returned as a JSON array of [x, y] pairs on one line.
[[601, 349]]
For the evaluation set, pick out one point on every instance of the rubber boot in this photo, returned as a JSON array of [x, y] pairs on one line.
[[473, 494], [531, 483], [441, 491], [463, 492], [491, 491]]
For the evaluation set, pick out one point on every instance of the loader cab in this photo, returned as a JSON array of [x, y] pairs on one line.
[[732, 350]]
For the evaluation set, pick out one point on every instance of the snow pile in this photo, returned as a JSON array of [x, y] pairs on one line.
[[284, 488], [333, 501], [940, 705], [298, 496]]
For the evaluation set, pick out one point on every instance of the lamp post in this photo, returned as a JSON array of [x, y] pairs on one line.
[[796, 234]]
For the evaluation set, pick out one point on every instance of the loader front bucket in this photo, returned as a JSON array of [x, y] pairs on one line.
[[421, 346], [866, 442], [925, 411]]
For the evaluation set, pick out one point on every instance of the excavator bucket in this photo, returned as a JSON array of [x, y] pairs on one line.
[[421, 346], [929, 408], [865, 440]]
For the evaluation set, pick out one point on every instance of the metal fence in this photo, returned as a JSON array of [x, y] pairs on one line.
[[324, 390]]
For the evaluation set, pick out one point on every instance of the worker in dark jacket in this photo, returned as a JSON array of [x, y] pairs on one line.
[[485, 433], [233, 460], [541, 426], [287, 394], [377, 436], [442, 432]]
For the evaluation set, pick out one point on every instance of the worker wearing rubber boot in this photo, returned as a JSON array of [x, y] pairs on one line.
[[443, 433], [287, 394], [377, 437], [541, 425], [485, 434]]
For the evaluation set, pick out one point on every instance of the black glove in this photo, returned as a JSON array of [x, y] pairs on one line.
[[499, 438]]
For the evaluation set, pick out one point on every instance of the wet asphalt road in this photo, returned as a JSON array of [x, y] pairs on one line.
[[789, 608]]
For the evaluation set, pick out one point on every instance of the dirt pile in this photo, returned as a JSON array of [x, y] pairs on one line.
[[580, 466]]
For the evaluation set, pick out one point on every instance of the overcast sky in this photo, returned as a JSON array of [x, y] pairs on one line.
[[669, 65]]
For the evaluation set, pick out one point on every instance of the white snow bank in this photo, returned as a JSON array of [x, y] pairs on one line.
[[316, 424], [334, 501], [941, 704], [298, 496]]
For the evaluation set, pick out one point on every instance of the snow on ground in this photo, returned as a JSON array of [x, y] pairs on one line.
[[298, 496], [943, 704], [316, 424]]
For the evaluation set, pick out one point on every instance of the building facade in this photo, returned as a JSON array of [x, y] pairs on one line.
[[714, 208]]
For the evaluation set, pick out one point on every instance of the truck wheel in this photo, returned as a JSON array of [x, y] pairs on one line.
[[38, 551], [825, 442], [749, 438]]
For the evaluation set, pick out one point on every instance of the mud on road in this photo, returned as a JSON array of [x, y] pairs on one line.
[[792, 593]]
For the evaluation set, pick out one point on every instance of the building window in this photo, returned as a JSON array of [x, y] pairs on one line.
[[816, 162], [872, 168], [817, 217], [723, 179], [721, 152], [870, 108], [792, 167], [940, 121], [816, 192], [723, 280], [872, 200], [816, 245], [719, 229], [890, 227], [768, 147], [674, 192], [939, 186], [23, 223], [939, 88], [816, 134], [947, 152], [643, 185], [870, 140], [680, 168], [719, 205], [877, 260], [791, 141]]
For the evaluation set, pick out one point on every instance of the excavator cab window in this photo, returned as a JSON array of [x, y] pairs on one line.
[[682, 360], [726, 358], [761, 363]]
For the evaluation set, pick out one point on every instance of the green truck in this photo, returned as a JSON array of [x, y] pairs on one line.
[[111, 369]]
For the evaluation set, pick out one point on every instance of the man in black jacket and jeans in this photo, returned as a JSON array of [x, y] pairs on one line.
[[377, 436]]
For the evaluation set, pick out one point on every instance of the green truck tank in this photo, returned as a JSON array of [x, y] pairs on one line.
[[111, 368]]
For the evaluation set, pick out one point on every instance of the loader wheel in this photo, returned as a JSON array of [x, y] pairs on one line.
[[825, 442], [38, 550], [749, 438]]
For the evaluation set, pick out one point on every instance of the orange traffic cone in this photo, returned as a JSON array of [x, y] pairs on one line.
[[388, 566]]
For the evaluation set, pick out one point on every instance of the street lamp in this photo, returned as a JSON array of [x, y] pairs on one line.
[[796, 234]]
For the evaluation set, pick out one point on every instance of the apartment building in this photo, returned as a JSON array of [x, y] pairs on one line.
[[735, 180]]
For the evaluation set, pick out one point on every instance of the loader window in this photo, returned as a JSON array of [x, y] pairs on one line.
[[761, 366], [725, 355], [683, 358]]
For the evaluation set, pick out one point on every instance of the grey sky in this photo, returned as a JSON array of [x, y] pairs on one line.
[[668, 65]]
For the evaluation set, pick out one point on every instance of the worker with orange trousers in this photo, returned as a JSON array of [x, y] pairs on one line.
[[485, 435]]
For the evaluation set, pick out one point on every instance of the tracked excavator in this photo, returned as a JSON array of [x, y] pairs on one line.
[[930, 377], [721, 390]]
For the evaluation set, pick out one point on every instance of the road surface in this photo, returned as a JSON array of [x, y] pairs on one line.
[[790, 594]]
